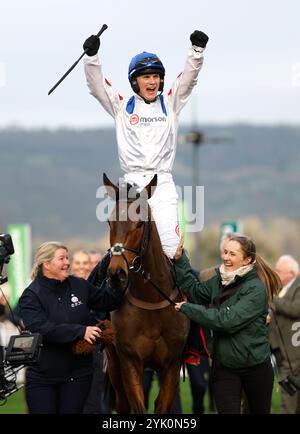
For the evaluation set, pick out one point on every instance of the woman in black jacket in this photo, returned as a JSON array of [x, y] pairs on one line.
[[58, 306]]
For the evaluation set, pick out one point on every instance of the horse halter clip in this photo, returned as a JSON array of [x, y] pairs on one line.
[[117, 249]]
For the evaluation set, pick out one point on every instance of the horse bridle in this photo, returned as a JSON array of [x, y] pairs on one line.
[[118, 249]]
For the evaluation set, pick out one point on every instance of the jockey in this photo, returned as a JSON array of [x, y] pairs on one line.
[[147, 124]]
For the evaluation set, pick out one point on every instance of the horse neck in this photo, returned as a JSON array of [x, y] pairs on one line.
[[155, 263]]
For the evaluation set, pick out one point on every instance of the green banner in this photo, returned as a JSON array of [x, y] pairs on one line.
[[183, 212], [20, 262], [230, 227]]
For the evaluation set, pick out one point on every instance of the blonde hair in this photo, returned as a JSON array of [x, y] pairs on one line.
[[45, 253], [268, 276]]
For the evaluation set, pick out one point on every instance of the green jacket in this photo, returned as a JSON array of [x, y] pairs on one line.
[[239, 323]]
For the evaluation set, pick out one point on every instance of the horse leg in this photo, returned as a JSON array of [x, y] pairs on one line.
[[121, 402], [169, 383], [132, 374]]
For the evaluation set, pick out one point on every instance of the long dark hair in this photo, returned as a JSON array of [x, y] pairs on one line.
[[268, 276]]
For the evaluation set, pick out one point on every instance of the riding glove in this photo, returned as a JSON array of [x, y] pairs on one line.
[[92, 44], [199, 38]]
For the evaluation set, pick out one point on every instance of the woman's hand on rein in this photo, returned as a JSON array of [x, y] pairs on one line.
[[179, 249], [91, 334]]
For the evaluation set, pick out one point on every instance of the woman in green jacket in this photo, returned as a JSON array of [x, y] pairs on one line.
[[234, 305]]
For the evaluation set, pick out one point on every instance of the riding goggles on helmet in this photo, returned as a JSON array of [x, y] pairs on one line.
[[145, 63]]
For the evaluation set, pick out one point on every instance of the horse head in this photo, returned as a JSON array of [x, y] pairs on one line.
[[129, 225]]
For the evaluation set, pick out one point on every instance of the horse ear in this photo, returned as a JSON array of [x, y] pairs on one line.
[[150, 188], [111, 188]]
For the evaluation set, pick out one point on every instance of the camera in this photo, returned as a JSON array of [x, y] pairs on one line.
[[290, 384], [22, 350], [6, 249]]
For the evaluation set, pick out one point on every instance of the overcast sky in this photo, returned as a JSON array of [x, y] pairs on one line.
[[251, 71]]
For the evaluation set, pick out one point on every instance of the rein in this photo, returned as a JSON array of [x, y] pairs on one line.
[[146, 277]]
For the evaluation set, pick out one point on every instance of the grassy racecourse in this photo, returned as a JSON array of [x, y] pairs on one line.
[[16, 404]]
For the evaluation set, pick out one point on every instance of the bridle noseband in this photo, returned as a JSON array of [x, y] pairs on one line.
[[118, 250]]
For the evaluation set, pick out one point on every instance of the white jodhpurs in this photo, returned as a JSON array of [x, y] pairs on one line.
[[164, 207]]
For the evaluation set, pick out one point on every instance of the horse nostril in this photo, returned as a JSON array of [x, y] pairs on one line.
[[117, 274], [121, 274]]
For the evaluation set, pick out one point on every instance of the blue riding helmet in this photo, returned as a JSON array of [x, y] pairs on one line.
[[145, 63]]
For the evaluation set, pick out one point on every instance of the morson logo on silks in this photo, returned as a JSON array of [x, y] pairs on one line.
[[135, 119]]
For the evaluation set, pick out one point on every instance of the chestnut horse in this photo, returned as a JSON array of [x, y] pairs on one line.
[[149, 332]]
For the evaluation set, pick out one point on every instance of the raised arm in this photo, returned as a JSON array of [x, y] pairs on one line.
[[187, 80], [198, 292], [98, 86]]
